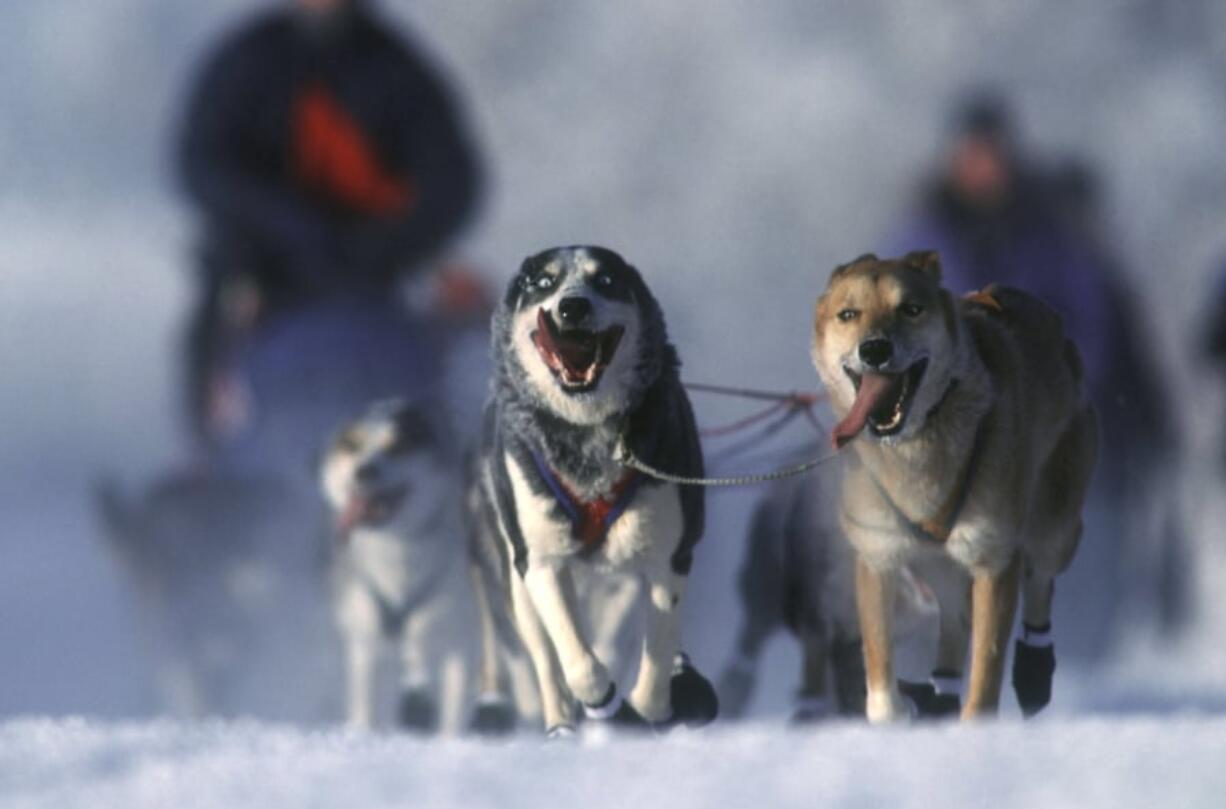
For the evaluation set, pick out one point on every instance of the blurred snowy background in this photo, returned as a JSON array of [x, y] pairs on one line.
[[734, 151]]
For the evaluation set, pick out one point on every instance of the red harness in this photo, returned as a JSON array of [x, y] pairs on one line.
[[596, 516], [590, 519]]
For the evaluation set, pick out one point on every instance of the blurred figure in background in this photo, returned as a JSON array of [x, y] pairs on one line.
[[329, 165], [997, 216], [990, 214], [328, 162]]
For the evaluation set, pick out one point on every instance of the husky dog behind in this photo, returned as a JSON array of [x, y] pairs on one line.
[[973, 444], [583, 364], [400, 568], [798, 575]]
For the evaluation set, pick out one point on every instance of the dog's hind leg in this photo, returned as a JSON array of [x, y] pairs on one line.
[[417, 710], [359, 621], [494, 713], [556, 706], [1055, 534], [1034, 654], [941, 696], [847, 666], [761, 585], [993, 604], [812, 701]]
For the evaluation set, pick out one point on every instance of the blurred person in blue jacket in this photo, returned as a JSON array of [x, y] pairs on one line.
[[990, 213], [328, 160], [998, 216]]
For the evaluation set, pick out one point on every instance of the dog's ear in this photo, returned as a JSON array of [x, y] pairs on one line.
[[926, 261], [843, 268]]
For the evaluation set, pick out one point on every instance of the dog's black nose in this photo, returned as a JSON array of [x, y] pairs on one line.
[[574, 310], [876, 352]]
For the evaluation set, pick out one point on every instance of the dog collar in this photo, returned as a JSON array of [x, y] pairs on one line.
[[590, 519]]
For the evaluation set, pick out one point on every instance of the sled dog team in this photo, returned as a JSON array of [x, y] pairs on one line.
[[968, 442]]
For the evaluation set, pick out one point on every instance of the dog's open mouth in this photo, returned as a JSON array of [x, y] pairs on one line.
[[882, 403], [370, 508], [577, 357]]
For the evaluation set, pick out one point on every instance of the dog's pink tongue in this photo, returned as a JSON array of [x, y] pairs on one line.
[[872, 388]]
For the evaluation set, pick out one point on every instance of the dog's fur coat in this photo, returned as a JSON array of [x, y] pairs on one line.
[[975, 442], [583, 362], [400, 569]]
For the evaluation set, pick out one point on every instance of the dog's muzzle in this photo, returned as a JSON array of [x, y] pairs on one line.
[[882, 402], [576, 356]]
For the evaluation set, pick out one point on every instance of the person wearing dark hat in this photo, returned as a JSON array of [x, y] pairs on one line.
[[328, 160], [996, 216], [989, 213]]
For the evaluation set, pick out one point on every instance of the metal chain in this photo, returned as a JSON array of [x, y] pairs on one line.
[[625, 457], [795, 402]]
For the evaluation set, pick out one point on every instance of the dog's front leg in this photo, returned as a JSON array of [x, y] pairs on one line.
[[993, 602], [552, 590], [358, 621], [618, 598], [556, 706], [876, 589], [661, 642], [361, 661]]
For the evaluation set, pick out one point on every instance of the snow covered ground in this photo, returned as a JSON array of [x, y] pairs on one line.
[[1086, 762], [735, 151]]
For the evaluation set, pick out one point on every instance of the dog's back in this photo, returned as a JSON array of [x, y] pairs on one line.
[[1022, 342], [1040, 383]]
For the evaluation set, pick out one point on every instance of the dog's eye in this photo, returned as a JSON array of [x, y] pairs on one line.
[[911, 309], [543, 282], [848, 315], [604, 280]]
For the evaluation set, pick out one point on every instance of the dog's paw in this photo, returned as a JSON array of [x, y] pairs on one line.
[[494, 716], [1033, 668], [561, 733], [606, 708], [589, 681], [417, 712], [882, 707], [928, 703], [694, 700]]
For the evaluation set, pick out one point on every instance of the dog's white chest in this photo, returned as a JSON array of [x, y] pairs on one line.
[[395, 567], [649, 524]]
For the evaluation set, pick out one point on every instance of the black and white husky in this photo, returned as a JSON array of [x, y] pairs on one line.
[[400, 567], [582, 362]]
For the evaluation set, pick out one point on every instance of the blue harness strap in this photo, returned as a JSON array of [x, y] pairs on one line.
[[590, 521]]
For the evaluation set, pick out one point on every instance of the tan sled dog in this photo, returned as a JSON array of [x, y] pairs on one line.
[[976, 444]]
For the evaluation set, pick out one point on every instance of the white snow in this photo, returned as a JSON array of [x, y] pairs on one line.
[[735, 151], [1088, 762]]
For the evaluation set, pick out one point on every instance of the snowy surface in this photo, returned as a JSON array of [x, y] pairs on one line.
[[735, 151], [1091, 762]]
